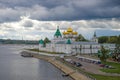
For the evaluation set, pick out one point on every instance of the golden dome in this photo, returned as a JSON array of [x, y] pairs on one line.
[[65, 33], [69, 29], [74, 33]]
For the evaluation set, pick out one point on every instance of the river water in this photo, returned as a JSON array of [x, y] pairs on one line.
[[15, 67]]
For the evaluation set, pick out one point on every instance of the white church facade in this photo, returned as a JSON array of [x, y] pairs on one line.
[[65, 43]]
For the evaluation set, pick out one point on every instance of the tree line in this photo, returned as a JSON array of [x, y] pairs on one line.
[[109, 39]]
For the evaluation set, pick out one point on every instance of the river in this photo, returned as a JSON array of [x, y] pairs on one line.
[[15, 67]]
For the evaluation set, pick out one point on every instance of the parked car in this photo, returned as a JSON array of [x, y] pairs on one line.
[[68, 60], [102, 65], [73, 62], [78, 64]]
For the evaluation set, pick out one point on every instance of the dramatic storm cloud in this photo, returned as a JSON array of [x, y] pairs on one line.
[[11, 10], [42, 17]]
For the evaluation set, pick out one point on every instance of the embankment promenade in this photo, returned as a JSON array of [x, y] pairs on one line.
[[67, 70]]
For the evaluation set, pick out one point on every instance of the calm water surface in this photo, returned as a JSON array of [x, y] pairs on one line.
[[15, 67]]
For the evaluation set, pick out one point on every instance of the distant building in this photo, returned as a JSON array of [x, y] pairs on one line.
[[65, 43]]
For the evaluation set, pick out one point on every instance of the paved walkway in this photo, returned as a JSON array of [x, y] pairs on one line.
[[74, 74], [43, 53]]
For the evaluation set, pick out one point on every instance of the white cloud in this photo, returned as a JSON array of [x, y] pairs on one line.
[[42, 29]]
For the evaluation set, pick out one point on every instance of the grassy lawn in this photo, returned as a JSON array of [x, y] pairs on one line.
[[101, 77], [115, 65], [37, 50]]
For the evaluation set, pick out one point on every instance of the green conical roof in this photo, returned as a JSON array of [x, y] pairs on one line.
[[41, 42], [68, 41], [57, 33]]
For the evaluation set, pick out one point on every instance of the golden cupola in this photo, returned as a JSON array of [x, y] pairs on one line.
[[75, 33], [70, 34], [69, 29], [65, 33]]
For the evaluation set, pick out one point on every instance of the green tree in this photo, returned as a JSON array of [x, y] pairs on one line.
[[118, 40], [112, 39], [116, 52], [109, 39], [46, 40], [103, 54], [103, 39], [80, 38]]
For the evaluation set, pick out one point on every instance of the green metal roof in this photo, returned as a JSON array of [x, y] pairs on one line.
[[57, 33], [41, 42], [68, 41]]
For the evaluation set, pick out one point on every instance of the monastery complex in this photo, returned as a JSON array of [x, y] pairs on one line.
[[65, 43]]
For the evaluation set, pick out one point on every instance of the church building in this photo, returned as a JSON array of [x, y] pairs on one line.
[[65, 43]]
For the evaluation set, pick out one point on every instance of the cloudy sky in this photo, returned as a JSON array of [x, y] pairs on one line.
[[36, 19]]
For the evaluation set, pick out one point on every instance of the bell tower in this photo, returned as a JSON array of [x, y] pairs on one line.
[[94, 39]]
